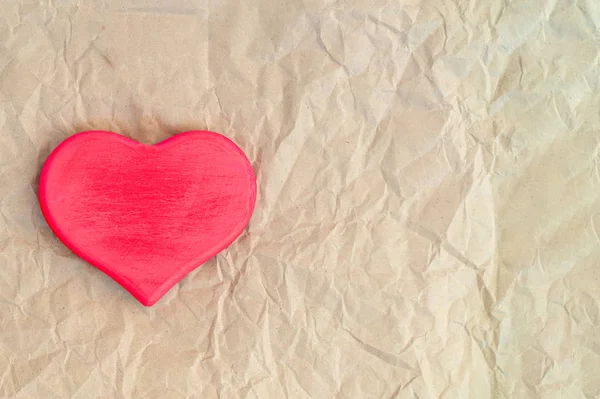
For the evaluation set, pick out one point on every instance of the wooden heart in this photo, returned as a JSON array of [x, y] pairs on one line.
[[147, 215]]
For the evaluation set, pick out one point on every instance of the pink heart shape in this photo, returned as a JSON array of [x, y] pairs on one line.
[[147, 215]]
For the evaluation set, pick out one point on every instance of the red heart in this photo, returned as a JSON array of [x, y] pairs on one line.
[[147, 215]]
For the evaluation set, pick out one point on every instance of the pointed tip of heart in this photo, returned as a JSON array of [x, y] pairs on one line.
[[147, 302], [151, 299], [145, 295]]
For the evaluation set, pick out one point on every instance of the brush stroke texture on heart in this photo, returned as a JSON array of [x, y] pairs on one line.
[[147, 215]]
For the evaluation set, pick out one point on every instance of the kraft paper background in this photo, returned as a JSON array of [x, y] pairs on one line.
[[428, 198]]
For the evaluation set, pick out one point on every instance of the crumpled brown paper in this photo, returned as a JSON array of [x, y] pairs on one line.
[[428, 211]]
